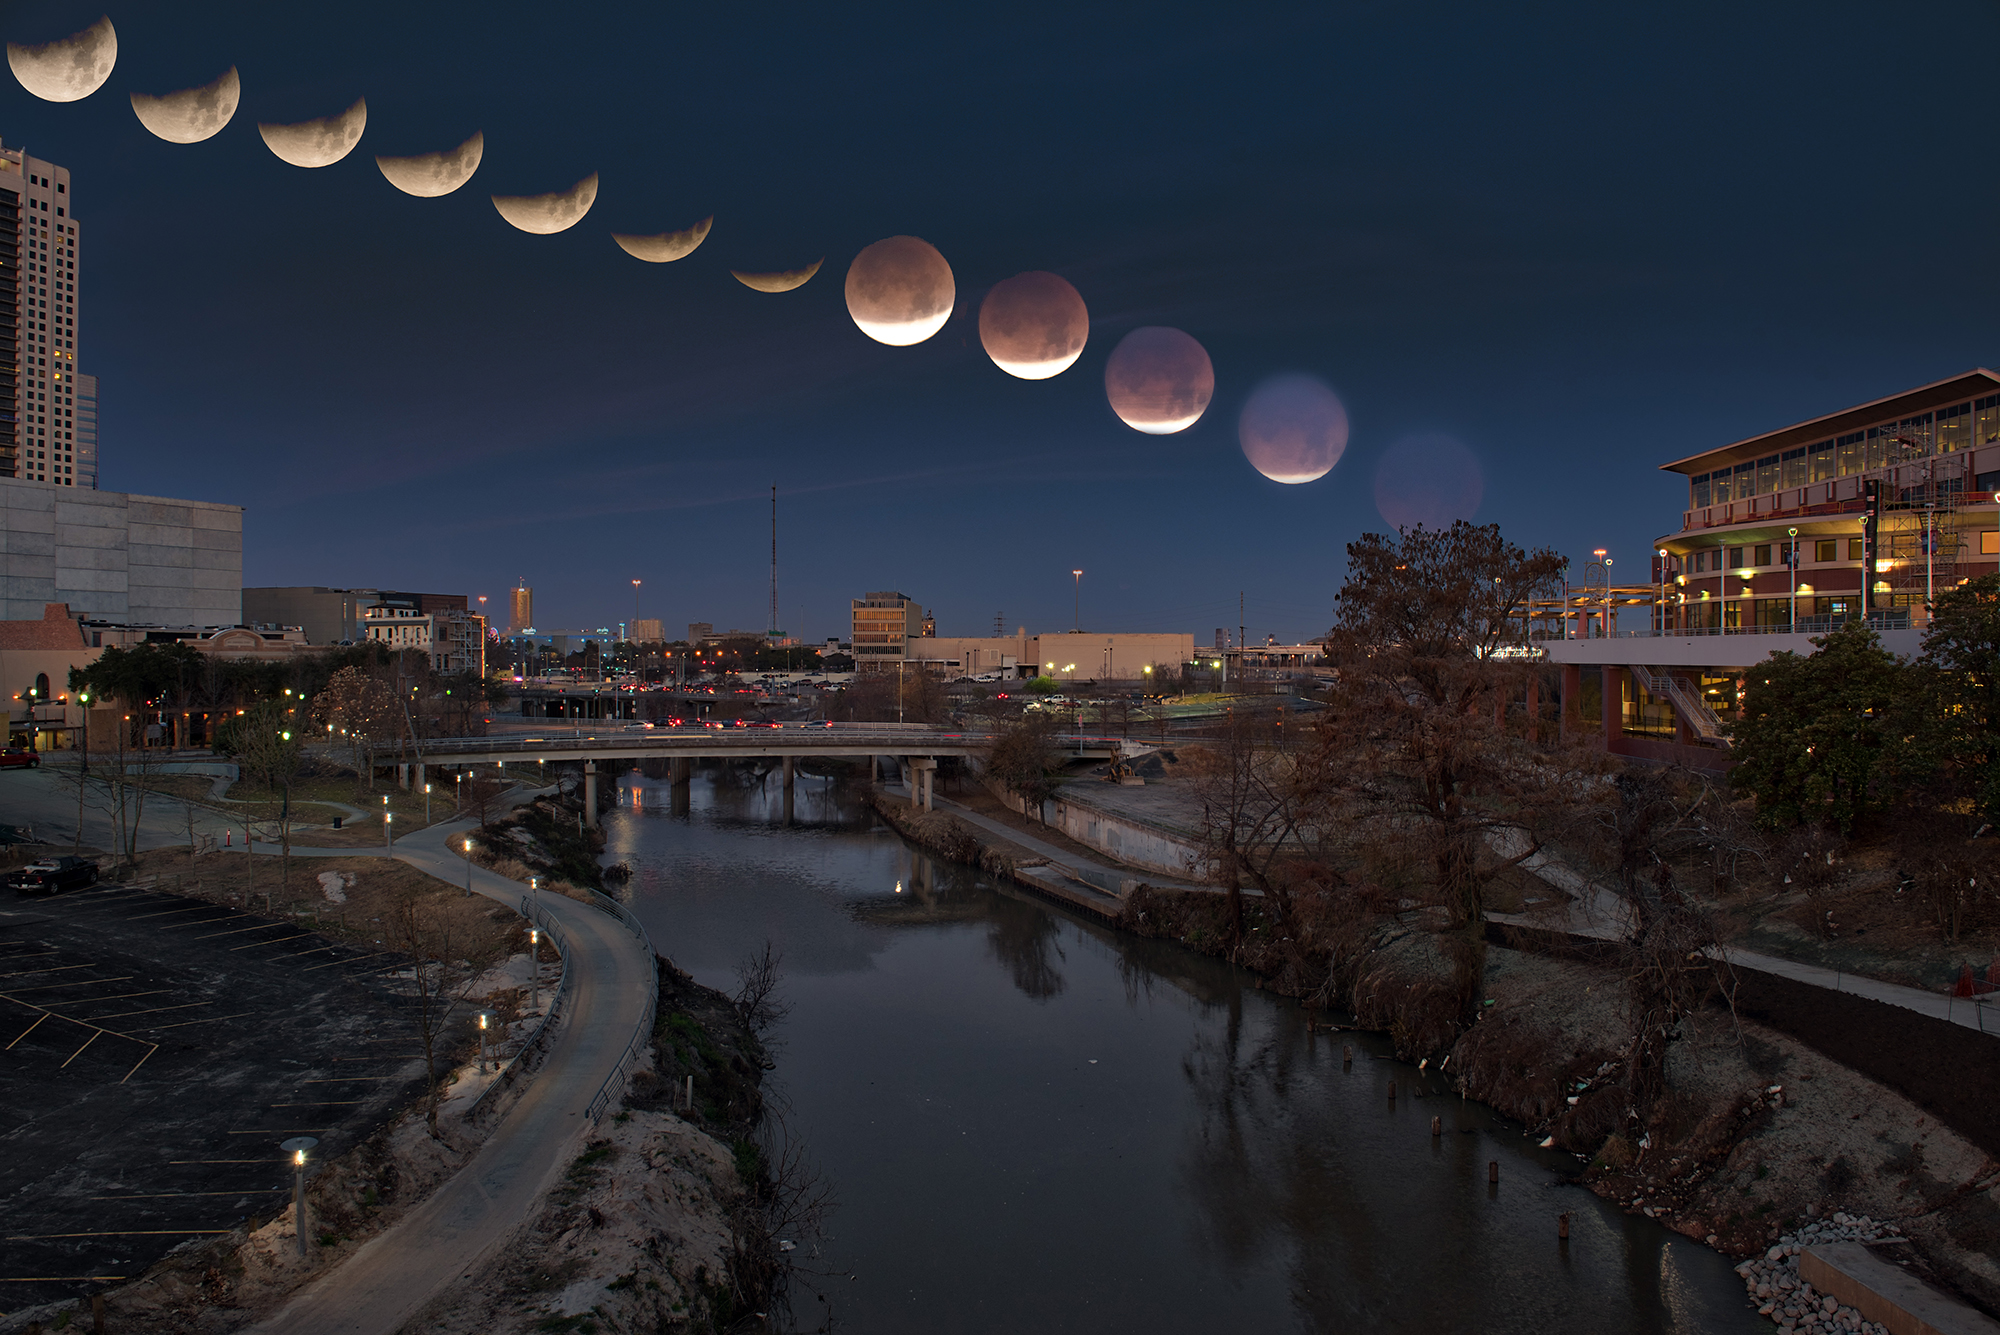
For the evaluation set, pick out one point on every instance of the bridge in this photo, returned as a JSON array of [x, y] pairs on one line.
[[917, 746]]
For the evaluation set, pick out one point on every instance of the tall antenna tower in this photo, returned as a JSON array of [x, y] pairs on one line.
[[999, 622], [774, 560]]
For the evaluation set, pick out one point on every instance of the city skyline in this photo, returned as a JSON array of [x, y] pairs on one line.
[[436, 400]]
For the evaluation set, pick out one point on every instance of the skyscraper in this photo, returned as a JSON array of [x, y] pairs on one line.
[[520, 609], [41, 394]]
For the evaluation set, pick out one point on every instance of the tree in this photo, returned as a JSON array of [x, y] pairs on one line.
[[1814, 729], [1262, 813], [264, 744], [1024, 761], [1416, 722], [361, 706], [1961, 705], [444, 965]]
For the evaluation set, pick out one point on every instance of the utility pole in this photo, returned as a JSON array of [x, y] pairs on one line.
[[1076, 610], [774, 560], [1242, 637]]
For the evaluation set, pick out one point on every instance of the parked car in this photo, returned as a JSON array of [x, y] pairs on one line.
[[18, 757], [53, 874]]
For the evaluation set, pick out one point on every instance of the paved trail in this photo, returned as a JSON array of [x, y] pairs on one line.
[[391, 1278]]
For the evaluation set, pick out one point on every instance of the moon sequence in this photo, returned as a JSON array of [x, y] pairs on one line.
[[1159, 380], [1293, 429]]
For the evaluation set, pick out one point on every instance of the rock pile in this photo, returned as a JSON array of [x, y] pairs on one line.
[[1774, 1283]]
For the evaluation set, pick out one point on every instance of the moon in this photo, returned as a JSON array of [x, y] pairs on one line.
[[782, 281], [68, 70], [545, 215], [318, 143], [192, 114], [668, 246], [1033, 325], [1293, 429], [429, 175], [1430, 480], [1159, 380], [900, 291]]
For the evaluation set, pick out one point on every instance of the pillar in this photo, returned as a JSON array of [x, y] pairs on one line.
[[930, 775], [910, 777], [1534, 709], [403, 777], [590, 793], [1613, 701], [1572, 696], [789, 763]]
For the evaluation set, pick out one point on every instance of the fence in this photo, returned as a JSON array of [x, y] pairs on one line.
[[614, 1083], [536, 1042]]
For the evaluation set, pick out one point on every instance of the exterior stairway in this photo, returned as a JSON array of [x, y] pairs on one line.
[[1694, 710]]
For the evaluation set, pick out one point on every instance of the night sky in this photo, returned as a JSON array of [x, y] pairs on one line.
[[1579, 240]]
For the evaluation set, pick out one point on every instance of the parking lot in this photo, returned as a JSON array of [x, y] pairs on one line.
[[154, 1050]]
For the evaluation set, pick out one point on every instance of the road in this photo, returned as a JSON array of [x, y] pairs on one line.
[[394, 1275]]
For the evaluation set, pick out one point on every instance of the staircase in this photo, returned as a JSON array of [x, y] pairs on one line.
[[1694, 710]]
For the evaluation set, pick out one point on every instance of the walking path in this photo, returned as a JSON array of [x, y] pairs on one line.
[[390, 1279], [1595, 912]]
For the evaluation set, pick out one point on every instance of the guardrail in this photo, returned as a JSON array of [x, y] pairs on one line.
[[751, 741], [535, 1042], [1899, 619], [614, 1083]]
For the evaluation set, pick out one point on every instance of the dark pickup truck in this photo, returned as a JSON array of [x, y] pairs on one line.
[[53, 874]]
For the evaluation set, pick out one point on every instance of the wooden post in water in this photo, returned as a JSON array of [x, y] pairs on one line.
[[1492, 1170], [1346, 1056], [1392, 1091], [1562, 1226], [1437, 1127]]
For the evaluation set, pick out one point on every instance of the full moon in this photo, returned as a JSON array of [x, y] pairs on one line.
[[1033, 325], [666, 246], [318, 143], [783, 280], [67, 70], [545, 215], [1429, 480], [1293, 429], [900, 291], [193, 114], [429, 175], [1159, 380]]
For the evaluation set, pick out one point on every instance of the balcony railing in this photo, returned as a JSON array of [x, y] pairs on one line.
[[1897, 618]]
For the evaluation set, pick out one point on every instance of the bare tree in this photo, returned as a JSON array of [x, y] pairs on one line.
[[1024, 761], [1262, 814], [757, 980], [444, 965]]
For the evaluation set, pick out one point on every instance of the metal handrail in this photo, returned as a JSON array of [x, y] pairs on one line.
[[1706, 723], [614, 1082], [541, 918]]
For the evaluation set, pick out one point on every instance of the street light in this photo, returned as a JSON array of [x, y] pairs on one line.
[[487, 1020], [468, 868], [427, 795], [534, 968], [388, 840], [1792, 560], [83, 698], [1077, 604], [296, 1147]]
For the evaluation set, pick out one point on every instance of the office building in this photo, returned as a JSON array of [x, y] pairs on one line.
[[883, 624], [117, 557], [39, 385], [335, 616], [451, 637], [521, 609], [648, 630], [1872, 511]]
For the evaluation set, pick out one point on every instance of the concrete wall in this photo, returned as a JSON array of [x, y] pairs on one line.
[[1125, 657], [119, 557]]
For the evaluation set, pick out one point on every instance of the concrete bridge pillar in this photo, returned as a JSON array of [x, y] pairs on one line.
[[590, 793], [789, 767], [919, 770], [403, 777], [681, 771]]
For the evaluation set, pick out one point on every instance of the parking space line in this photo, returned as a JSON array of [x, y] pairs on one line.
[[351, 1080], [29, 1030], [151, 1048], [50, 987], [280, 941], [122, 996], [332, 963], [192, 908], [86, 1043], [65, 968], [314, 951], [27, 955], [57, 1279], [286, 1131], [321, 1103], [270, 1159], [153, 1010], [260, 927], [154, 1028], [117, 1233]]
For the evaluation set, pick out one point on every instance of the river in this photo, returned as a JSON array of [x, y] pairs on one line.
[[1034, 1123]]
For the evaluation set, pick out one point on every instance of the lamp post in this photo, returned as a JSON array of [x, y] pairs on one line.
[[427, 802], [296, 1147], [83, 698], [468, 867], [534, 968], [1076, 606], [388, 841], [1660, 589], [486, 1020], [1792, 561]]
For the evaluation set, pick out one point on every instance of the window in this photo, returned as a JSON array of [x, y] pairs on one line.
[[1986, 430], [1701, 492], [1767, 475], [1792, 468], [1854, 549], [1825, 549], [1989, 542], [1700, 562], [1761, 555], [1852, 453], [1745, 481], [1953, 428], [1735, 558]]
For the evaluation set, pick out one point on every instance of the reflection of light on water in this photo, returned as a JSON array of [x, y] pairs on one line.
[[1428, 479], [899, 887]]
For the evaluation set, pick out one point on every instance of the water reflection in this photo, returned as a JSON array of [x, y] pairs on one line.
[[1036, 1123]]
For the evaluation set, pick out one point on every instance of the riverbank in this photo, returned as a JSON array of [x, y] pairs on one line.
[[1759, 1135]]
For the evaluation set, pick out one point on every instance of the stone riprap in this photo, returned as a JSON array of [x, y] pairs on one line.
[[1774, 1282]]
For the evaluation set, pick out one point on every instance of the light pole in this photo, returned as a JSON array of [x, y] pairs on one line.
[[534, 968], [83, 698], [1792, 560], [1660, 589], [486, 1019], [468, 868], [635, 610], [1076, 608], [296, 1147], [388, 841]]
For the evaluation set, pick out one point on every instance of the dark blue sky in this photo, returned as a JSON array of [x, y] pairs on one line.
[[1581, 239]]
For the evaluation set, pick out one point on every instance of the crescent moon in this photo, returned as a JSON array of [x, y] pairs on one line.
[[667, 246], [192, 114], [67, 70], [318, 143], [428, 175], [545, 215], [784, 281]]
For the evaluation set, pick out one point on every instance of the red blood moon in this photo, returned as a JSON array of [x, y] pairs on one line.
[[1159, 380], [900, 291], [1293, 429], [1033, 325]]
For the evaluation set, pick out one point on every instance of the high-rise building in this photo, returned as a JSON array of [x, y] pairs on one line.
[[648, 630], [520, 609], [883, 624], [39, 385]]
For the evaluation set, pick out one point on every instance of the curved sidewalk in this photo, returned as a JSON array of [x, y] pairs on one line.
[[390, 1279]]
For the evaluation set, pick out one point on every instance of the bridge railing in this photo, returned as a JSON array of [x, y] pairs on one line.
[[614, 1083], [747, 741], [489, 1097]]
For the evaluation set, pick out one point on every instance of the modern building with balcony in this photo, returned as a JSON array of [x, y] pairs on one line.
[[1870, 512]]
